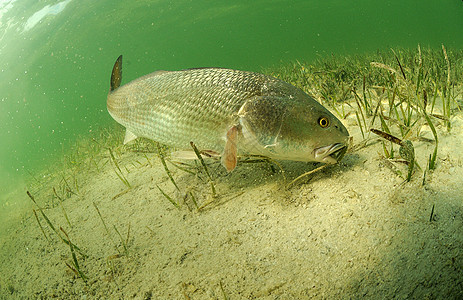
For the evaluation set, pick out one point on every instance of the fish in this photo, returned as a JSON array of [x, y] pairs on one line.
[[226, 113]]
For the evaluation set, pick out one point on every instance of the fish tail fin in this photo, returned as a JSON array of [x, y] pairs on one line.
[[116, 75]]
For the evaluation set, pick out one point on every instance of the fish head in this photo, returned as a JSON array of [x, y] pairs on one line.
[[292, 128]]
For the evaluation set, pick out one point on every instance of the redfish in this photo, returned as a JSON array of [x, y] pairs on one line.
[[226, 112]]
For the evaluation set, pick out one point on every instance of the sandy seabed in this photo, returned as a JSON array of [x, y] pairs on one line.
[[356, 229]]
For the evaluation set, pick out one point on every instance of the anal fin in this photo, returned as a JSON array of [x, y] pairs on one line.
[[129, 136]]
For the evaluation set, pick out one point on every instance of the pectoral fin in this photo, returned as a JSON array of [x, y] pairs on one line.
[[230, 153], [129, 136], [116, 75]]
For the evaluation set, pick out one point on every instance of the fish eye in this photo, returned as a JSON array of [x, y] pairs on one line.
[[323, 122]]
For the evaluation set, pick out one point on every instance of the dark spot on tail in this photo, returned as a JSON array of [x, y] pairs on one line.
[[116, 75]]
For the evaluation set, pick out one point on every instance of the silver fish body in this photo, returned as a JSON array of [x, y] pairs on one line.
[[221, 108]]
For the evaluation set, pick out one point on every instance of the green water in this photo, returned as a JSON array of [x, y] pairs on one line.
[[56, 56]]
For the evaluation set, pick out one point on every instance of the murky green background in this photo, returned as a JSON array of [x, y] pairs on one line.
[[56, 56]]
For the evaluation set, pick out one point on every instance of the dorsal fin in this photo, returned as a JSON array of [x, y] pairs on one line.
[[116, 75]]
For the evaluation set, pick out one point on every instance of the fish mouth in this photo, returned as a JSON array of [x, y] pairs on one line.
[[330, 154]]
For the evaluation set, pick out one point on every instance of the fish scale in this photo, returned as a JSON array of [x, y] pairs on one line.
[[190, 105]]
